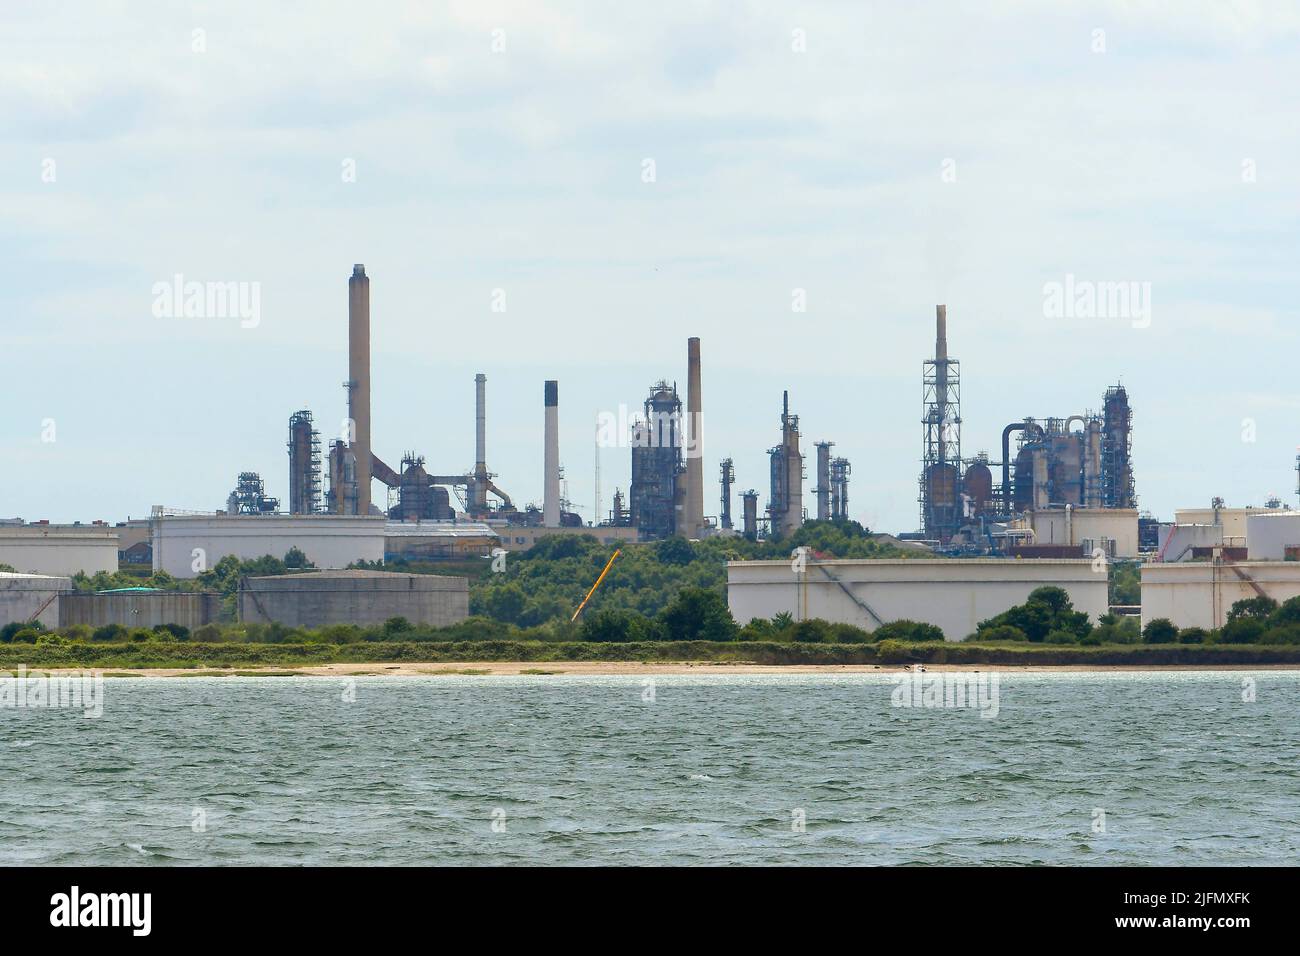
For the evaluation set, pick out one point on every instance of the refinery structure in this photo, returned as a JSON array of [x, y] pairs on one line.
[[1057, 493], [1073, 471]]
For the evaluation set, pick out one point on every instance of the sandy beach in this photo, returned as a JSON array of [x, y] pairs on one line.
[[635, 668]]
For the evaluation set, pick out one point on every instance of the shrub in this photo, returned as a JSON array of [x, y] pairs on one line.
[[758, 629], [811, 632], [1061, 637], [1242, 630], [25, 635], [178, 631], [1193, 635], [905, 630], [1001, 632], [109, 632], [1160, 631], [341, 634], [848, 634], [617, 626], [1282, 634], [208, 634], [395, 628]]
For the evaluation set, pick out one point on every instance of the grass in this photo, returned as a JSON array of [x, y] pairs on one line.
[[206, 658]]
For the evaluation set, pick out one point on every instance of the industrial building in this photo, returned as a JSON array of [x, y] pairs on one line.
[[832, 490], [184, 545], [785, 498], [952, 595], [62, 550], [321, 598], [1071, 531], [1202, 533], [666, 496], [139, 607], [658, 471], [1273, 537], [438, 540], [1054, 468], [1201, 593], [31, 597]]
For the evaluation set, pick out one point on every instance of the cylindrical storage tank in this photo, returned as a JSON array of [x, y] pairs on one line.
[[978, 486]]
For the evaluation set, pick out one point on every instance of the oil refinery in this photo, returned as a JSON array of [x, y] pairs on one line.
[[1059, 488]]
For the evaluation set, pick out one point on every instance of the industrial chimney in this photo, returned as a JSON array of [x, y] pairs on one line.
[[480, 443], [359, 381], [480, 421], [551, 457], [694, 446], [941, 373], [823, 489]]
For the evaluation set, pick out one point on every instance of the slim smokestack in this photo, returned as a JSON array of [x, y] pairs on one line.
[[941, 376], [359, 380], [551, 457], [694, 446], [480, 423]]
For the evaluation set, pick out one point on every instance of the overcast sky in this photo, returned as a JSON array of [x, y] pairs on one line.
[[881, 158]]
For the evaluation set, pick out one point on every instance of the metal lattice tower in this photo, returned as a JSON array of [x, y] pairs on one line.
[[940, 482], [1117, 485]]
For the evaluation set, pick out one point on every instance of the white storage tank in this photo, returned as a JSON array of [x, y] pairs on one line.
[[1269, 536]]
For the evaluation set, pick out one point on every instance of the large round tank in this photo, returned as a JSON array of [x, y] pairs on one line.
[[978, 486]]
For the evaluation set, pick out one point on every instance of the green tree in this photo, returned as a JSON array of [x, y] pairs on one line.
[[294, 558], [675, 550], [697, 614], [1257, 608]]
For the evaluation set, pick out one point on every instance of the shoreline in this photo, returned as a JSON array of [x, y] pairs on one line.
[[615, 668]]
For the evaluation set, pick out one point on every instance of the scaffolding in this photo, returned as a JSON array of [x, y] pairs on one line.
[[1117, 486], [840, 470], [940, 481], [250, 497]]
